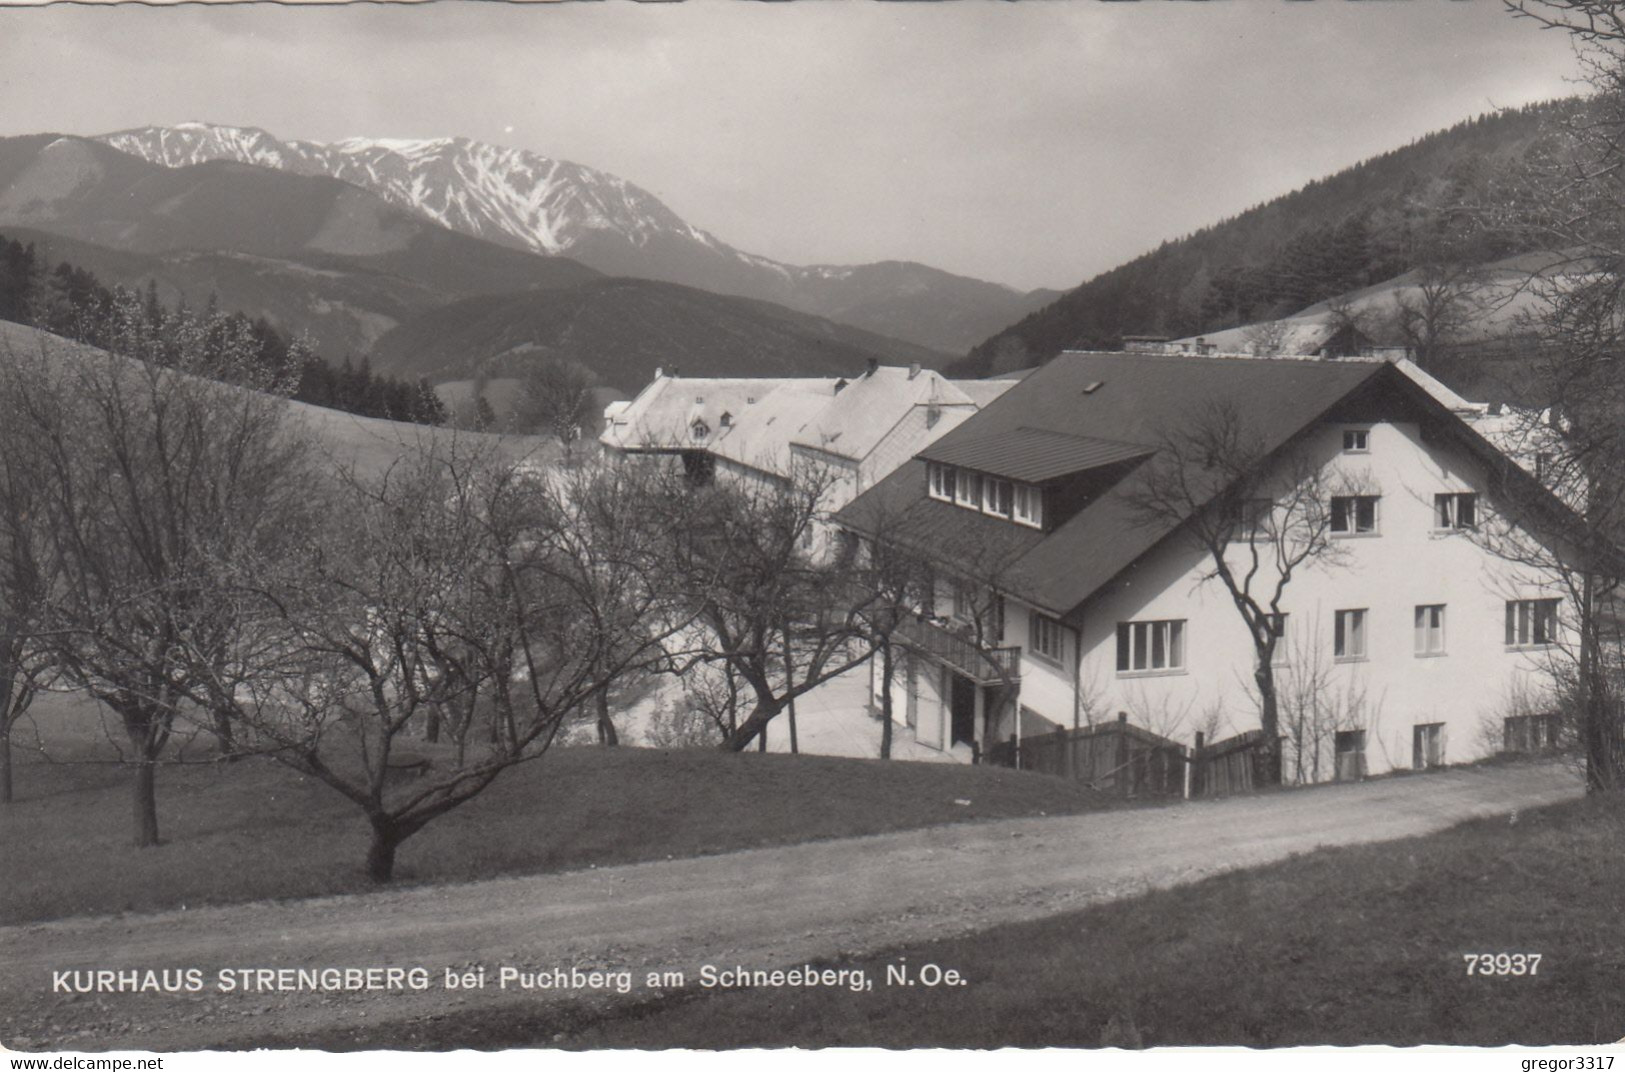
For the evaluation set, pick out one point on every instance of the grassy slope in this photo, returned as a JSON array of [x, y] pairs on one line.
[[254, 830], [1358, 945], [1348, 946], [369, 443]]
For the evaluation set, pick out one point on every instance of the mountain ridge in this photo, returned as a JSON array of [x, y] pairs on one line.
[[527, 201]]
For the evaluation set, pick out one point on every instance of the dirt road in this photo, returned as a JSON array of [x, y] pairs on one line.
[[759, 909]]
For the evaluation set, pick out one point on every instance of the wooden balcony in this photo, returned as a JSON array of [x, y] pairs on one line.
[[985, 666]]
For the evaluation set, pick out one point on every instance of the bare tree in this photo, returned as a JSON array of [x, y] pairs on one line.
[[26, 577], [1577, 377], [895, 582], [1316, 704], [782, 620], [145, 475], [1445, 303], [1259, 518], [1266, 338], [556, 399], [462, 584], [1593, 22]]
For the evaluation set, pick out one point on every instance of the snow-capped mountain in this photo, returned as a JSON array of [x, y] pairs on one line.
[[520, 199], [498, 194]]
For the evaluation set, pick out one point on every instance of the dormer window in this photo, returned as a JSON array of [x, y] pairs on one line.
[[726, 420], [996, 497], [1028, 506], [985, 494], [699, 429], [969, 490]]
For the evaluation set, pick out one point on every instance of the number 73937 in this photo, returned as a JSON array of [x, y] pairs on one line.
[[1502, 963]]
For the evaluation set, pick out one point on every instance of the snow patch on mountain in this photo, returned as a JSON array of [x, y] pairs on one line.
[[493, 192]]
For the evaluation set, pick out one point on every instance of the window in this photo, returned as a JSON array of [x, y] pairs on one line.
[[1252, 517], [1356, 440], [964, 602], [942, 482], [1427, 745], [1354, 514], [1531, 623], [969, 490], [1349, 746], [1278, 624], [1348, 634], [1044, 635], [1145, 646], [726, 420], [996, 496], [1430, 629], [1530, 733], [1029, 505], [1455, 510]]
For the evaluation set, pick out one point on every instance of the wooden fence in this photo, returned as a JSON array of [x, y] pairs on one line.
[[1113, 756], [1225, 766]]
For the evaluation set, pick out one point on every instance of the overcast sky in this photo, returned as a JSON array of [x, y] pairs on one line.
[[1032, 143]]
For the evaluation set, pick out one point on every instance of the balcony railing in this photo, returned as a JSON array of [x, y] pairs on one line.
[[985, 666]]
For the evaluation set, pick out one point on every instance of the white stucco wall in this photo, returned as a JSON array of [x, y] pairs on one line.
[[1406, 564]]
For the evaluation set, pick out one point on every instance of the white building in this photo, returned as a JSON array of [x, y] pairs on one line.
[[1060, 603], [855, 431]]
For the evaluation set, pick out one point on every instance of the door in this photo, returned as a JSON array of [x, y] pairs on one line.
[[963, 706]]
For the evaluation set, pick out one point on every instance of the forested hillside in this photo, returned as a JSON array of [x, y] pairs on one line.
[[1445, 196], [69, 301]]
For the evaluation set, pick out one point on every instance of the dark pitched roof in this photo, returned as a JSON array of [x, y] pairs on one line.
[[1033, 455], [1122, 398]]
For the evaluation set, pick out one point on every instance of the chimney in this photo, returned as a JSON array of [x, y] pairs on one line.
[[874, 366], [913, 370]]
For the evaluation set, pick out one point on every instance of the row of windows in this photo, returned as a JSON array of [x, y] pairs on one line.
[[1160, 645], [1530, 623], [1149, 646], [1521, 733], [1021, 503], [1356, 515]]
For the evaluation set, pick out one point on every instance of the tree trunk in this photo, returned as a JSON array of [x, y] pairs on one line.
[[386, 838], [789, 684], [5, 765], [606, 725], [1268, 755], [144, 726], [431, 725], [1602, 773], [223, 733], [145, 801], [886, 673], [754, 728]]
